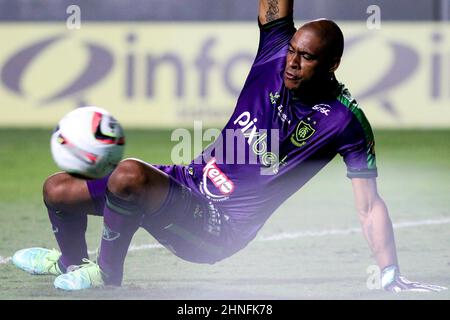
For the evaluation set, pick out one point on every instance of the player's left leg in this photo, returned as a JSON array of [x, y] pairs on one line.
[[134, 189]]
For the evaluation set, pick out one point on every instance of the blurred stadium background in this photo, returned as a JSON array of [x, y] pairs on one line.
[[158, 65]]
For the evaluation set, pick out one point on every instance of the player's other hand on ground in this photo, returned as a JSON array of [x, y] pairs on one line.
[[392, 281]]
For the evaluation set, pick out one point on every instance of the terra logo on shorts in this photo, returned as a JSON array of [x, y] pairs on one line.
[[212, 172]]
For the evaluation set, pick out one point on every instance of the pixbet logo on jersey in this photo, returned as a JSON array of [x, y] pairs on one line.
[[212, 172], [259, 147]]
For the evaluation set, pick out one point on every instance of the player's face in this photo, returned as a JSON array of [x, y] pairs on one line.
[[305, 59]]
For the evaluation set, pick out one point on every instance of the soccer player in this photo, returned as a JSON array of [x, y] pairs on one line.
[[291, 118]]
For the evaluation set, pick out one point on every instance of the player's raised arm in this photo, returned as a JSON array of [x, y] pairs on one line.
[[270, 10]]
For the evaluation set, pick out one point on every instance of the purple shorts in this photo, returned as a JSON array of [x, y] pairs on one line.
[[186, 224]]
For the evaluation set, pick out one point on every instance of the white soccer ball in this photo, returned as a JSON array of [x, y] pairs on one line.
[[88, 141]]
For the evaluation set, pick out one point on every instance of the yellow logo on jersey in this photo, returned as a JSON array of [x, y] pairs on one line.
[[303, 132]]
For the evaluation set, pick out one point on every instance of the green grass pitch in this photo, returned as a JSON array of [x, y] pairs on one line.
[[320, 254]]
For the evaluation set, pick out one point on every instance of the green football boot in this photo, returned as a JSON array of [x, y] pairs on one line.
[[85, 276], [38, 261]]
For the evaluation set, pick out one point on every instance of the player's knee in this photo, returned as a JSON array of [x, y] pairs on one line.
[[55, 189], [128, 179]]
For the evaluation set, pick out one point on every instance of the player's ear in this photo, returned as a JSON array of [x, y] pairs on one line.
[[334, 64]]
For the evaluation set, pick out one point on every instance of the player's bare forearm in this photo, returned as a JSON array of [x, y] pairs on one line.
[[378, 230], [270, 10], [375, 221], [379, 233]]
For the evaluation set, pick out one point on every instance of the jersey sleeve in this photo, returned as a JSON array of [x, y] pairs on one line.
[[356, 145], [274, 39]]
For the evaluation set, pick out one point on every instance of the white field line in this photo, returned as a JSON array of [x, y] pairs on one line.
[[4, 260], [137, 247], [330, 232], [296, 235]]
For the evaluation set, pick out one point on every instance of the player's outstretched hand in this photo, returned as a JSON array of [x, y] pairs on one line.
[[392, 281]]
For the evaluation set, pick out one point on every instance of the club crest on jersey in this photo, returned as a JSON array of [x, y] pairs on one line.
[[220, 180], [303, 132]]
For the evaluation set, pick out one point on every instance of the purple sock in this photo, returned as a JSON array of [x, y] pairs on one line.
[[69, 230], [121, 220]]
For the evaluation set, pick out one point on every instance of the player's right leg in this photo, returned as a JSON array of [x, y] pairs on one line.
[[68, 201], [134, 189]]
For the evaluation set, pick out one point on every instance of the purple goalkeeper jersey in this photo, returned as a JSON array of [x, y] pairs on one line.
[[273, 144]]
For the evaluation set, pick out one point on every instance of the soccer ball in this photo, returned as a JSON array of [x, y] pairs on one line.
[[88, 141]]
